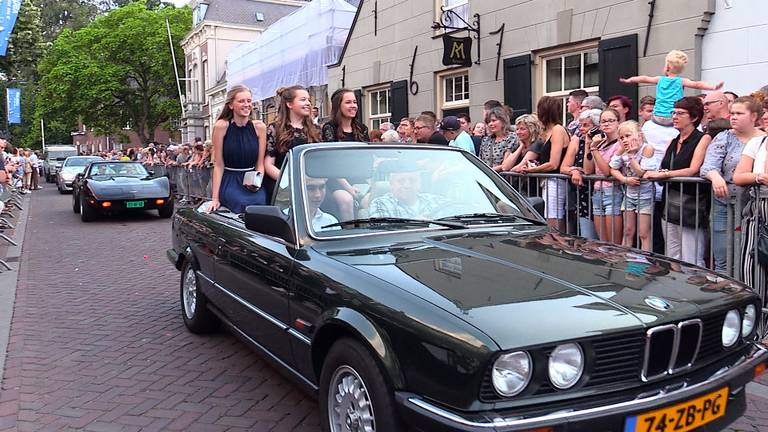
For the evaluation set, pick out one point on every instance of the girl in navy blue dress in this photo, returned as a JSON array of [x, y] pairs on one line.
[[239, 145]]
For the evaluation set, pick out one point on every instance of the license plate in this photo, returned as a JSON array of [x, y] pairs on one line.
[[682, 417], [134, 204]]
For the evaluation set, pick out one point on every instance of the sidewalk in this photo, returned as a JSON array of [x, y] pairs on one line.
[[9, 278]]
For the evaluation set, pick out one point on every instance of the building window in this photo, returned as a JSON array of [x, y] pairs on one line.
[[453, 92], [567, 71], [379, 110], [461, 7]]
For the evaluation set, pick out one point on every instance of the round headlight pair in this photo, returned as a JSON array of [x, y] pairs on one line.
[[512, 372]]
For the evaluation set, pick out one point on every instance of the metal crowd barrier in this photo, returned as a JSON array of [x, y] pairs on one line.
[[189, 185], [722, 248], [10, 200]]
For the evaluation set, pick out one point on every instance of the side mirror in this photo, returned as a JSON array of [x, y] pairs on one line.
[[538, 204], [78, 176], [269, 220], [151, 173]]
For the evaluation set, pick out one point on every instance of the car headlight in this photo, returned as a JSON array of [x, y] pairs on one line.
[[750, 318], [511, 373], [566, 364], [731, 328]]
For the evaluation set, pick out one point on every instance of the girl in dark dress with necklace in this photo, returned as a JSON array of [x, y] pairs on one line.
[[343, 126], [238, 147], [293, 127]]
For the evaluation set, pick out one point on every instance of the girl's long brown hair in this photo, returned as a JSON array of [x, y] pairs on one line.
[[283, 128], [337, 117], [226, 112]]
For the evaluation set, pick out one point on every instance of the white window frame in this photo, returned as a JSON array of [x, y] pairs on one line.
[[442, 78], [368, 101], [541, 61]]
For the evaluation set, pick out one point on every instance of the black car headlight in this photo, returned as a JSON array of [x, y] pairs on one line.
[[512, 373], [566, 365], [731, 328], [750, 318]]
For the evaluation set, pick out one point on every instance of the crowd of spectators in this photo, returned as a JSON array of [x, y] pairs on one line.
[[197, 154], [19, 167]]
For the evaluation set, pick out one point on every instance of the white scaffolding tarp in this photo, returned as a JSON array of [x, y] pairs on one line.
[[294, 50]]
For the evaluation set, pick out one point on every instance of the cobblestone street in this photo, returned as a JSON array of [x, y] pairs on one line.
[[97, 342]]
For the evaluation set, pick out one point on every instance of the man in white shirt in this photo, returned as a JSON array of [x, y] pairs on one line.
[[315, 191]]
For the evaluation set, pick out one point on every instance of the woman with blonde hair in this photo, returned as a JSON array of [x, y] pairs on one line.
[[528, 129], [628, 165], [238, 146]]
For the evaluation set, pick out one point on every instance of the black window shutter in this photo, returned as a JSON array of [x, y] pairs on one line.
[[517, 84], [618, 59], [398, 100], [359, 97]]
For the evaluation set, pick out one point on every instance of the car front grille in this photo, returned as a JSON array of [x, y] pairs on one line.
[[619, 360]]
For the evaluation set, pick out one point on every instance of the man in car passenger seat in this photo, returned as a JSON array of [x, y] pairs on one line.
[[315, 190], [405, 199]]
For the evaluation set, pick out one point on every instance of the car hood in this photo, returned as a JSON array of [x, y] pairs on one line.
[[528, 287], [72, 170], [129, 188]]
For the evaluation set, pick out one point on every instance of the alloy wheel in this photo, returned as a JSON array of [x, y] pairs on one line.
[[190, 293], [349, 403]]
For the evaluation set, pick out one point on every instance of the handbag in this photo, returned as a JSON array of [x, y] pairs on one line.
[[685, 209], [252, 180]]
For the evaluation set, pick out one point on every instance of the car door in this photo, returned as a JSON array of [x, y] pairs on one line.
[[253, 271]]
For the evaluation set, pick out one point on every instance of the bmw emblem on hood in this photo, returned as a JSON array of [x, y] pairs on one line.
[[658, 303]]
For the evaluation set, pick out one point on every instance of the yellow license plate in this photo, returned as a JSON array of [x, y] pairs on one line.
[[682, 417]]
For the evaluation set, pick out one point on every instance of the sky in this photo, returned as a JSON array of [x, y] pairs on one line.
[[180, 2]]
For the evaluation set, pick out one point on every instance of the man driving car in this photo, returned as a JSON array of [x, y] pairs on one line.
[[405, 198]]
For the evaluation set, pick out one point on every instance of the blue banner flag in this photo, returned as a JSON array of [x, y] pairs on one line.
[[9, 11], [13, 98]]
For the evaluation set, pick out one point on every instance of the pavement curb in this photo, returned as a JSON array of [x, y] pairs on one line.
[[9, 279]]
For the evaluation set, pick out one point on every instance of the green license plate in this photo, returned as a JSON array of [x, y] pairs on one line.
[[134, 204]]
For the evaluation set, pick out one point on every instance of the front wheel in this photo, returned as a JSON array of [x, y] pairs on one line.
[[87, 213], [194, 306], [166, 211], [353, 392]]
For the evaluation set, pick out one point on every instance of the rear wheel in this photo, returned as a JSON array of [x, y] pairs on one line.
[[87, 213], [194, 306], [353, 392]]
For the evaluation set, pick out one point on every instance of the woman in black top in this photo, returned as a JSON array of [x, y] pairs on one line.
[[683, 158], [343, 126], [293, 127]]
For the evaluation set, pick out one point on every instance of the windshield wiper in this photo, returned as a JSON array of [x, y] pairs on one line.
[[490, 215], [396, 220]]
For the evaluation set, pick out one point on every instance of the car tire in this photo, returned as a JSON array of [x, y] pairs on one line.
[[194, 305], [166, 211], [352, 384], [61, 191], [76, 203], [87, 213]]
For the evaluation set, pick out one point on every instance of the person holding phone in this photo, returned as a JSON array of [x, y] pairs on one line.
[[606, 198]]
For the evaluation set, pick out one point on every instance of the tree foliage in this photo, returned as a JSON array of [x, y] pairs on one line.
[[60, 14], [116, 71]]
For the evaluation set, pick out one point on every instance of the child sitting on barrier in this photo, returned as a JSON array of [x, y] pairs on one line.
[[628, 165]]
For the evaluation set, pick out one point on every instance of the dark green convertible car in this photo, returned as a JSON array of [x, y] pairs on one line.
[[446, 303]]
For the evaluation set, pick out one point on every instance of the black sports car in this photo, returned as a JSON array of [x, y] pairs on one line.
[[448, 304], [107, 187]]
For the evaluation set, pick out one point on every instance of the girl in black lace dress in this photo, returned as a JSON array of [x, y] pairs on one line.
[[343, 126], [293, 127]]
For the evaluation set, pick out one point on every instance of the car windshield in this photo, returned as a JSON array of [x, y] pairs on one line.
[[77, 162], [374, 189], [118, 170]]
